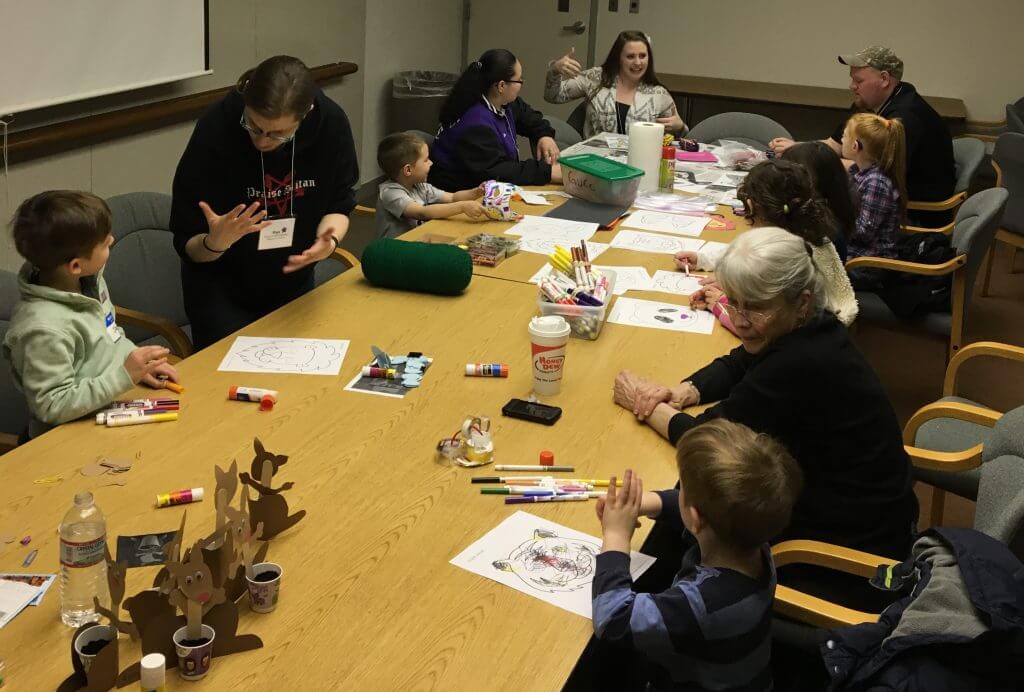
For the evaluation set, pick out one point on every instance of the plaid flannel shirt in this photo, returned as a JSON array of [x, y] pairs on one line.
[[878, 221]]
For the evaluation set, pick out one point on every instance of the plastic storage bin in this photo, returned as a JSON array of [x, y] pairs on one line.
[[585, 322], [597, 179]]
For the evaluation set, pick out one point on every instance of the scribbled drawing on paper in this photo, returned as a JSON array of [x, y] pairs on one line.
[[549, 562], [282, 355]]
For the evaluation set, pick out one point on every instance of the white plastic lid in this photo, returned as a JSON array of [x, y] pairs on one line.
[[153, 671], [197, 494], [549, 325], [470, 369], [101, 418]]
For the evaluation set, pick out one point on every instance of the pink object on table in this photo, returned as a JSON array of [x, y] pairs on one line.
[[696, 156]]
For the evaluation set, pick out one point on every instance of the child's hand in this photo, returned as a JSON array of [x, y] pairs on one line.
[[686, 259], [160, 375], [712, 293], [473, 210], [621, 509], [478, 191], [650, 506], [145, 360]]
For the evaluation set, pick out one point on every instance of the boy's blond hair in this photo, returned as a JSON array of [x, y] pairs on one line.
[[885, 141], [742, 483]]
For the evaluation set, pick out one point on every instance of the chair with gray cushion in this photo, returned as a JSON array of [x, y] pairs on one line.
[[577, 119], [565, 134], [14, 414], [747, 128], [968, 153], [973, 232], [144, 272], [1008, 160], [1015, 117], [952, 439]]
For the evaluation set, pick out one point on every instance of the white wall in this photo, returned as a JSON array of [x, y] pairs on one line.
[[950, 48], [381, 36], [403, 35]]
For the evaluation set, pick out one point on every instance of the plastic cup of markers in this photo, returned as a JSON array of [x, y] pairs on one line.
[[265, 587], [91, 641], [194, 657]]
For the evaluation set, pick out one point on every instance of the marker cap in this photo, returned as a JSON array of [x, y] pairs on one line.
[[547, 458], [267, 403], [197, 494]]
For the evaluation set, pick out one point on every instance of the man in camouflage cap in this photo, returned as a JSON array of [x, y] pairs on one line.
[[876, 80]]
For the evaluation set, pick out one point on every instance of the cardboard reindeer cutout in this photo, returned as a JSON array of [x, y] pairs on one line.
[[269, 508]]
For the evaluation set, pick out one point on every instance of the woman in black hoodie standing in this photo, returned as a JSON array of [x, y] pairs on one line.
[[261, 194]]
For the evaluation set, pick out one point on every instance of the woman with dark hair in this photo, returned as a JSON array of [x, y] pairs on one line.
[[833, 185], [261, 194], [622, 91], [479, 123]]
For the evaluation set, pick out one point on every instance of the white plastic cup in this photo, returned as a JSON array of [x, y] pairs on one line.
[[548, 336], [263, 595], [92, 634]]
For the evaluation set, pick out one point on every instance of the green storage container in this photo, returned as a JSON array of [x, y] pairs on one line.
[[597, 179]]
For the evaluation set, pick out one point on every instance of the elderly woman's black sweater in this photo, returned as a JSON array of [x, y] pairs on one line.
[[813, 391]]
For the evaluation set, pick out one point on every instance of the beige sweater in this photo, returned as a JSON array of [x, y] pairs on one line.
[[839, 296], [649, 102]]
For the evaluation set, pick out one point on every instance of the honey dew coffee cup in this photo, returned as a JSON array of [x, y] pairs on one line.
[[548, 337]]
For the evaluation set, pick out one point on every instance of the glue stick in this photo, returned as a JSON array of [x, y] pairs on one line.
[[179, 497], [253, 394], [384, 373], [153, 673], [486, 370]]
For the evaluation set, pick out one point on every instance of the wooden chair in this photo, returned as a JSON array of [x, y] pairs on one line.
[[1000, 514], [972, 234], [1008, 160], [338, 261], [949, 439]]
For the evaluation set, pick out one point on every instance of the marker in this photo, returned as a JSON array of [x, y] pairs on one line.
[[532, 467], [598, 482], [141, 420], [575, 497], [179, 497], [104, 416], [143, 403], [486, 370], [533, 490], [382, 373], [29, 558], [508, 479], [174, 387]]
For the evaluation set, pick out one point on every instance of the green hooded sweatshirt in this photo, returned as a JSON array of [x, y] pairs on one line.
[[66, 351]]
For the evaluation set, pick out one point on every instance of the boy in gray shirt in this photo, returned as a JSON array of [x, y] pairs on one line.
[[407, 199]]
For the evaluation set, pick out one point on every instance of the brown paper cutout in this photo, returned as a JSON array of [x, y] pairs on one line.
[[102, 673], [269, 508], [227, 484], [116, 572], [172, 553], [157, 621], [195, 592]]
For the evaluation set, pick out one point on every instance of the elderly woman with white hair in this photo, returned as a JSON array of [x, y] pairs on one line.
[[799, 378]]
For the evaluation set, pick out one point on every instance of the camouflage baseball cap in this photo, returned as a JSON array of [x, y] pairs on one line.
[[878, 57]]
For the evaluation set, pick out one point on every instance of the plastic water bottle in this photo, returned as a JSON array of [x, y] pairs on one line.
[[83, 537]]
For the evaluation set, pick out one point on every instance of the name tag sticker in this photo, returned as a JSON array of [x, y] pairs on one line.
[[112, 329], [278, 234]]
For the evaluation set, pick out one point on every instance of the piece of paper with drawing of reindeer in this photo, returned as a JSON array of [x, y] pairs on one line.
[[543, 559]]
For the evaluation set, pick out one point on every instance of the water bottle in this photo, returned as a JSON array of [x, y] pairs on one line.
[[83, 537]]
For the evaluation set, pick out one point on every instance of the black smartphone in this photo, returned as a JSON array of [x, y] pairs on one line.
[[528, 410]]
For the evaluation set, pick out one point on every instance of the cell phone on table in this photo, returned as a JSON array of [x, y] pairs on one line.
[[531, 411]]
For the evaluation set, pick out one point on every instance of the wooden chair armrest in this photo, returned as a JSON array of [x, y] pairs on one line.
[[178, 340], [817, 611], [909, 267], [945, 205], [984, 138], [814, 610], [984, 124], [979, 348], [344, 256], [945, 461], [360, 210], [944, 230], [968, 413]]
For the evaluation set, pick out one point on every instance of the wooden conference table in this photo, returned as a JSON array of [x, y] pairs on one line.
[[368, 598]]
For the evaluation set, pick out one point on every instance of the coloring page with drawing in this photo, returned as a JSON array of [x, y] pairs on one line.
[[542, 559], [654, 242], [634, 312], [676, 224], [282, 355]]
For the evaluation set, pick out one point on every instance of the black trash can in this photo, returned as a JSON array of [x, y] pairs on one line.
[[416, 98]]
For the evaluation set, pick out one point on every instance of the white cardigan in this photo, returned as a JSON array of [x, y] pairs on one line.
[[649, 103], [839, 295]]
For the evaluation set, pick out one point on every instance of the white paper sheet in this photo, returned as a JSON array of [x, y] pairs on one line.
[[534, 198], [546, 246], [542, 559], [15, 596], [677, 283], [712, 247], [628, 278], [648, 313], [676, 224], [566, 230], [654, 242], [269, 354]]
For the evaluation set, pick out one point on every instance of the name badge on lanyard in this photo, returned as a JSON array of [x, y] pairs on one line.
[[278, 234], [112, 329]]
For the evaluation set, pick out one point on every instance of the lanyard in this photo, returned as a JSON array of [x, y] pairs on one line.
[[291, 185]]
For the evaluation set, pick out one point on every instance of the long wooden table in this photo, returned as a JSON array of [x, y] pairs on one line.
[[368, 601]]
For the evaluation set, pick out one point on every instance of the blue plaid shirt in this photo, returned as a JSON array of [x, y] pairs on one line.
[[878, 221]]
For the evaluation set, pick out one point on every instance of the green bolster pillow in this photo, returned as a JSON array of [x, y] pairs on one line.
[[422, 267]]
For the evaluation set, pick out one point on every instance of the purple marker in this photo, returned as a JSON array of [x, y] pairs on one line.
[[549, 498]]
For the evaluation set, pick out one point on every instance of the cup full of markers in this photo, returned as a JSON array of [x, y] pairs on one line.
[[577, 291]]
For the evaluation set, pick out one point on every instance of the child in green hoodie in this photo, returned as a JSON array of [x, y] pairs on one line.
[[66, 351]]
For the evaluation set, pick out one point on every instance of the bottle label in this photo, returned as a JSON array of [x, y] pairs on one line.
[[84, 554]]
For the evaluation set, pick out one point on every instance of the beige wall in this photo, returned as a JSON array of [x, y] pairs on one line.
[[403, 35], [242, 32], [951, 48]]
